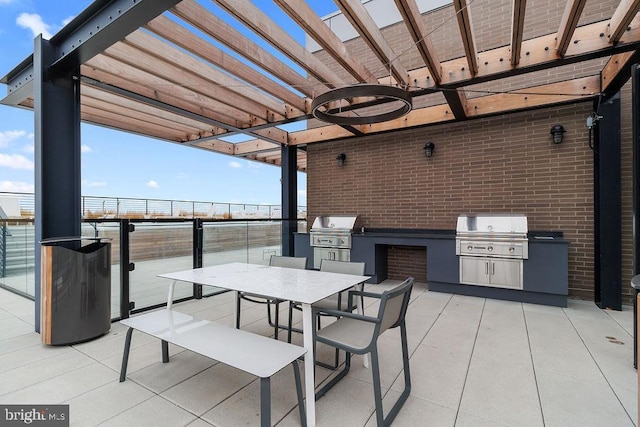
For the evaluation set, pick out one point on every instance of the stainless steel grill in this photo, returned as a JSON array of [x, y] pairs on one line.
[[331, 237], [492, 248]]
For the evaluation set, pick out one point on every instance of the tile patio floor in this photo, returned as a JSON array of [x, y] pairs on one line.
[[474, 362]]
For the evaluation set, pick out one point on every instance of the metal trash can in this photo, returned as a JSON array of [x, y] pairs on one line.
[[635, 284], [75, 291]]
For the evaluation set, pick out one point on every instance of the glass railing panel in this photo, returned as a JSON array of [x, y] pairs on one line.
[[17, 251], [109, 230], [156, 248], [223, 242], [264, 240]]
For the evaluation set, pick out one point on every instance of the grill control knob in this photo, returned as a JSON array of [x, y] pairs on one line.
[[342, 241], [469, 248], [490, 248], [512, 250]]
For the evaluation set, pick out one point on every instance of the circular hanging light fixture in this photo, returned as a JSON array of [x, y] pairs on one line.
[[320, 107]]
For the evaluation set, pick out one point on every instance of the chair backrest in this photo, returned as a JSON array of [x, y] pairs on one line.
[[393, 305], [344, 267], [288, 262]]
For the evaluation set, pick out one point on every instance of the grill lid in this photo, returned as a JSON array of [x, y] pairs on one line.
[[345, 224], [492, 224]]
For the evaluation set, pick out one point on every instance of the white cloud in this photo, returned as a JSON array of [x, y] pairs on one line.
[[29, 148], [6, 1], [152, 184], [7, 136], [33, 22], [94, 183], [16, 187], [66, 21], [234, 164], [85, 149], [15, 161]]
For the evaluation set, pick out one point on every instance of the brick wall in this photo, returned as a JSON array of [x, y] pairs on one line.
[[407, 261], [501, 164]]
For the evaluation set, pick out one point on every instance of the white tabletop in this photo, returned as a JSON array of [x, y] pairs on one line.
[[304, 286]]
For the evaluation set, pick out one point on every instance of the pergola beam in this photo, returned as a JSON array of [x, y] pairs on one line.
[[364, 24], [568, 24], [517, 28], [466, 32], [311, 23], [621, 18]]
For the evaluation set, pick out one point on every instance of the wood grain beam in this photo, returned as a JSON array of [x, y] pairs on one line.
[[466, 32], [202, 19], [621, 18], [412, 18], [187, 40], [311, 23], [568, 24], [180, 60], [617, 71], [517, 28], [252, 17], [364, 24], [522, 99], [254, 146]]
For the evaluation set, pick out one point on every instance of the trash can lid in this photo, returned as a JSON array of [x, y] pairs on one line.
[[635, 282], [54, 240]]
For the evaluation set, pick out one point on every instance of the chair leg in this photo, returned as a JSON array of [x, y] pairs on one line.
[[377, 389], [277, 317], [165, 352], [290, 322], [407, 377], [125, 355], [301, 407], [238, 299], [343, 373]]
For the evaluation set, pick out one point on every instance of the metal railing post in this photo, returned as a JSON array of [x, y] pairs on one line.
[[198, 240]]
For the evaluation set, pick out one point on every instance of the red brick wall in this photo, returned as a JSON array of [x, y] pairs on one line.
[[500, 164], [407, 261]]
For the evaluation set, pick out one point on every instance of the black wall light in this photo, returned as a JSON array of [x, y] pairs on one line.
[[428, 149], [341, 158], [557, 132]]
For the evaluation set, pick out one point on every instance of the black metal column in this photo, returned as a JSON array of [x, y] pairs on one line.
[[608, 206], [635, 121], [57, 154], [198, 235], [289, 198]]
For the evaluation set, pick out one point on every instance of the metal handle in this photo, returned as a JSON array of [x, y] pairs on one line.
[[486, 268], [493, 268]]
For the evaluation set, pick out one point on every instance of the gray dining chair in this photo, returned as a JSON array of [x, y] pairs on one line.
[[334, 302], [274, 261], [359, 334]]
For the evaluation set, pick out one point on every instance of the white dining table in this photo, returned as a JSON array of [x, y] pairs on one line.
[[302, 286]]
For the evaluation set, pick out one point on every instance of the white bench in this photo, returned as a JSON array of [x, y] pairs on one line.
[[255, 354]]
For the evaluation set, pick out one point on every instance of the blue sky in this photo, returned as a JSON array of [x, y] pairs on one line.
[[117, 163]]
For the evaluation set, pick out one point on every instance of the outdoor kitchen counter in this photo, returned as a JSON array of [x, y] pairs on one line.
[[545, 271]]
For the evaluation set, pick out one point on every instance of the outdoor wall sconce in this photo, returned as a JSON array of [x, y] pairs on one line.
[[341, 158], [428, 149], [557, 132]]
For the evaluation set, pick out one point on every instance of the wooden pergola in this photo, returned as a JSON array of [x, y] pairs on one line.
[[154, 70]]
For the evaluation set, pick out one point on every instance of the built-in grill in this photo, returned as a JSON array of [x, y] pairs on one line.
[[331, 237], [491, 248]]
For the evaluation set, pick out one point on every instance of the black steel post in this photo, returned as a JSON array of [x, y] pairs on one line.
[[635, 117], [608, 206], [198, 235], [58, 207], [125, 266], [289, 198]]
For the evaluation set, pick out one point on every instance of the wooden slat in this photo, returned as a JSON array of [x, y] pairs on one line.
[[127, 126], [466, 32], [254, 146], [539, 54], [517, 28], [188, 41], [621, 19], [307, 19], [128, 104], [568, 24], [46, 290], [535, 96], [617, 70], [160, 86], [181, 76], [152, 45], [222, 147], [355, 12], [208, 23], [412, 18], [252, 17], [550, 94]]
